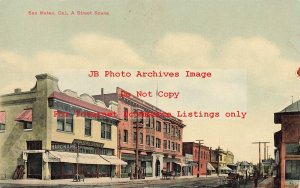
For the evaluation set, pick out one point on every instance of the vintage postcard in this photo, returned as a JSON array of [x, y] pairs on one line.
[[150, 93]]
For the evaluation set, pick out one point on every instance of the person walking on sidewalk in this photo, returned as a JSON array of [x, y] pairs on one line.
[[255, 176]]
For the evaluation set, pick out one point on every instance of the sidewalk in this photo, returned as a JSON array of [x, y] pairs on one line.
[[267, 183], [98, 181]]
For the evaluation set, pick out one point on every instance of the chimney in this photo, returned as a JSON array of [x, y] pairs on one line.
[[18, 90]]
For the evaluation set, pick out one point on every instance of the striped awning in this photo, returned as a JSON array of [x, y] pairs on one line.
[[25, 115], [81, 158], [2, 117], [113, 160]]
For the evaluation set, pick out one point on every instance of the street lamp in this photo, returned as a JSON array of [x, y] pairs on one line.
[[199, 144]]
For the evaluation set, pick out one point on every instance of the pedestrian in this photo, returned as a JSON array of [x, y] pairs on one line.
[[255, 176]]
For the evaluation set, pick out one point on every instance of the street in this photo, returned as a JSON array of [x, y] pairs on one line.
[[170, 183]]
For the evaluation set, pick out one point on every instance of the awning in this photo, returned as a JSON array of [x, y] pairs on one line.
[[2, 117], [25, 115], [225, 168], [128, 152], [210, 167], [68, 157], [113, 160]]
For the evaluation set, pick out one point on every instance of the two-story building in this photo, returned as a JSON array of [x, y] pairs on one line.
[[201, 157], [48, 134], [158, 139], [287, 153]]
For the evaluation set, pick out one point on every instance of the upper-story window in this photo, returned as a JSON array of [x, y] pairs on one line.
[[173, 146], [2, 121], [65, 123], [173, 130], [169, 128], [87, 127], [141, 138], [158, 142], [158, 126], [105, 130], [165, 144], [125, 114], [148, 140], [148, 122], [125, 139], [178, 148], [34, 145], [292, 149], [134, 137], [169, 144], [152, 122], [152, 140], [27, 125], [179, 133], [165, 127]]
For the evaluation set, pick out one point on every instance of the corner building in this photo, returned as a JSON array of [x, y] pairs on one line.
[[159, 138], [36, 143]]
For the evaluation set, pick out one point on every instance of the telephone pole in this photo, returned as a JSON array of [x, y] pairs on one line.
[[199, 145], [259, 155]]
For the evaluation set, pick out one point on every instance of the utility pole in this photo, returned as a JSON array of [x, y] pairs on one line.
[[199, 145], [138, 125], [259, 157]]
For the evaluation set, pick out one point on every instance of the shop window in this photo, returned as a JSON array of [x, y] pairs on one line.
[[27, 125], [292, 170], [88, 127], [125, 114], [125, 136], [148, 140], [105, 131]]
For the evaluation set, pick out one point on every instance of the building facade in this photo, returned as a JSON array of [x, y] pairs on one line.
[[287, 153], [193, 149], [220, 159], [49, 134], [158, 138]]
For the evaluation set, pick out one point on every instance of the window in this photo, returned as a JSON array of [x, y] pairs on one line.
[[125, 139], [27, 125], [64, 123], [105, 130], [148, 122], [165, 144], [201, 154], [158, 126], [148, 140], [292, 149], [158, 142], [152, 140], [169, 128], [152, 122], [2, 121], [179, 133], [88, 127], [292, 170], [134, 137], [173, 146], [141, 138], [169, 144], [178, 148], [173, 130], [34, 145], [126, 114], [165, 128]]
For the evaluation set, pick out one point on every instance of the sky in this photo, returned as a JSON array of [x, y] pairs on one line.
[[252, 49]]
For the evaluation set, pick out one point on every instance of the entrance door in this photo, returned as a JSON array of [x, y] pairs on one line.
[[34, 165], [157, 168]]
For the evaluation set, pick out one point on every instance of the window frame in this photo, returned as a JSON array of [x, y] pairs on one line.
[[87, 121]]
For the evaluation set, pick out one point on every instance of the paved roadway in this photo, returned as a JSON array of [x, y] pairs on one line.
[[184, 183]]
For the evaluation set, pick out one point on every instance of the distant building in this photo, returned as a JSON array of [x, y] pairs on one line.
[[41, 134], [220, 159], [193, 149], [159, 137], [287, 153]]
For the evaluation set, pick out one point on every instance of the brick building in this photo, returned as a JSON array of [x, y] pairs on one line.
[[159, 136], [287, 153], [193, 149]]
